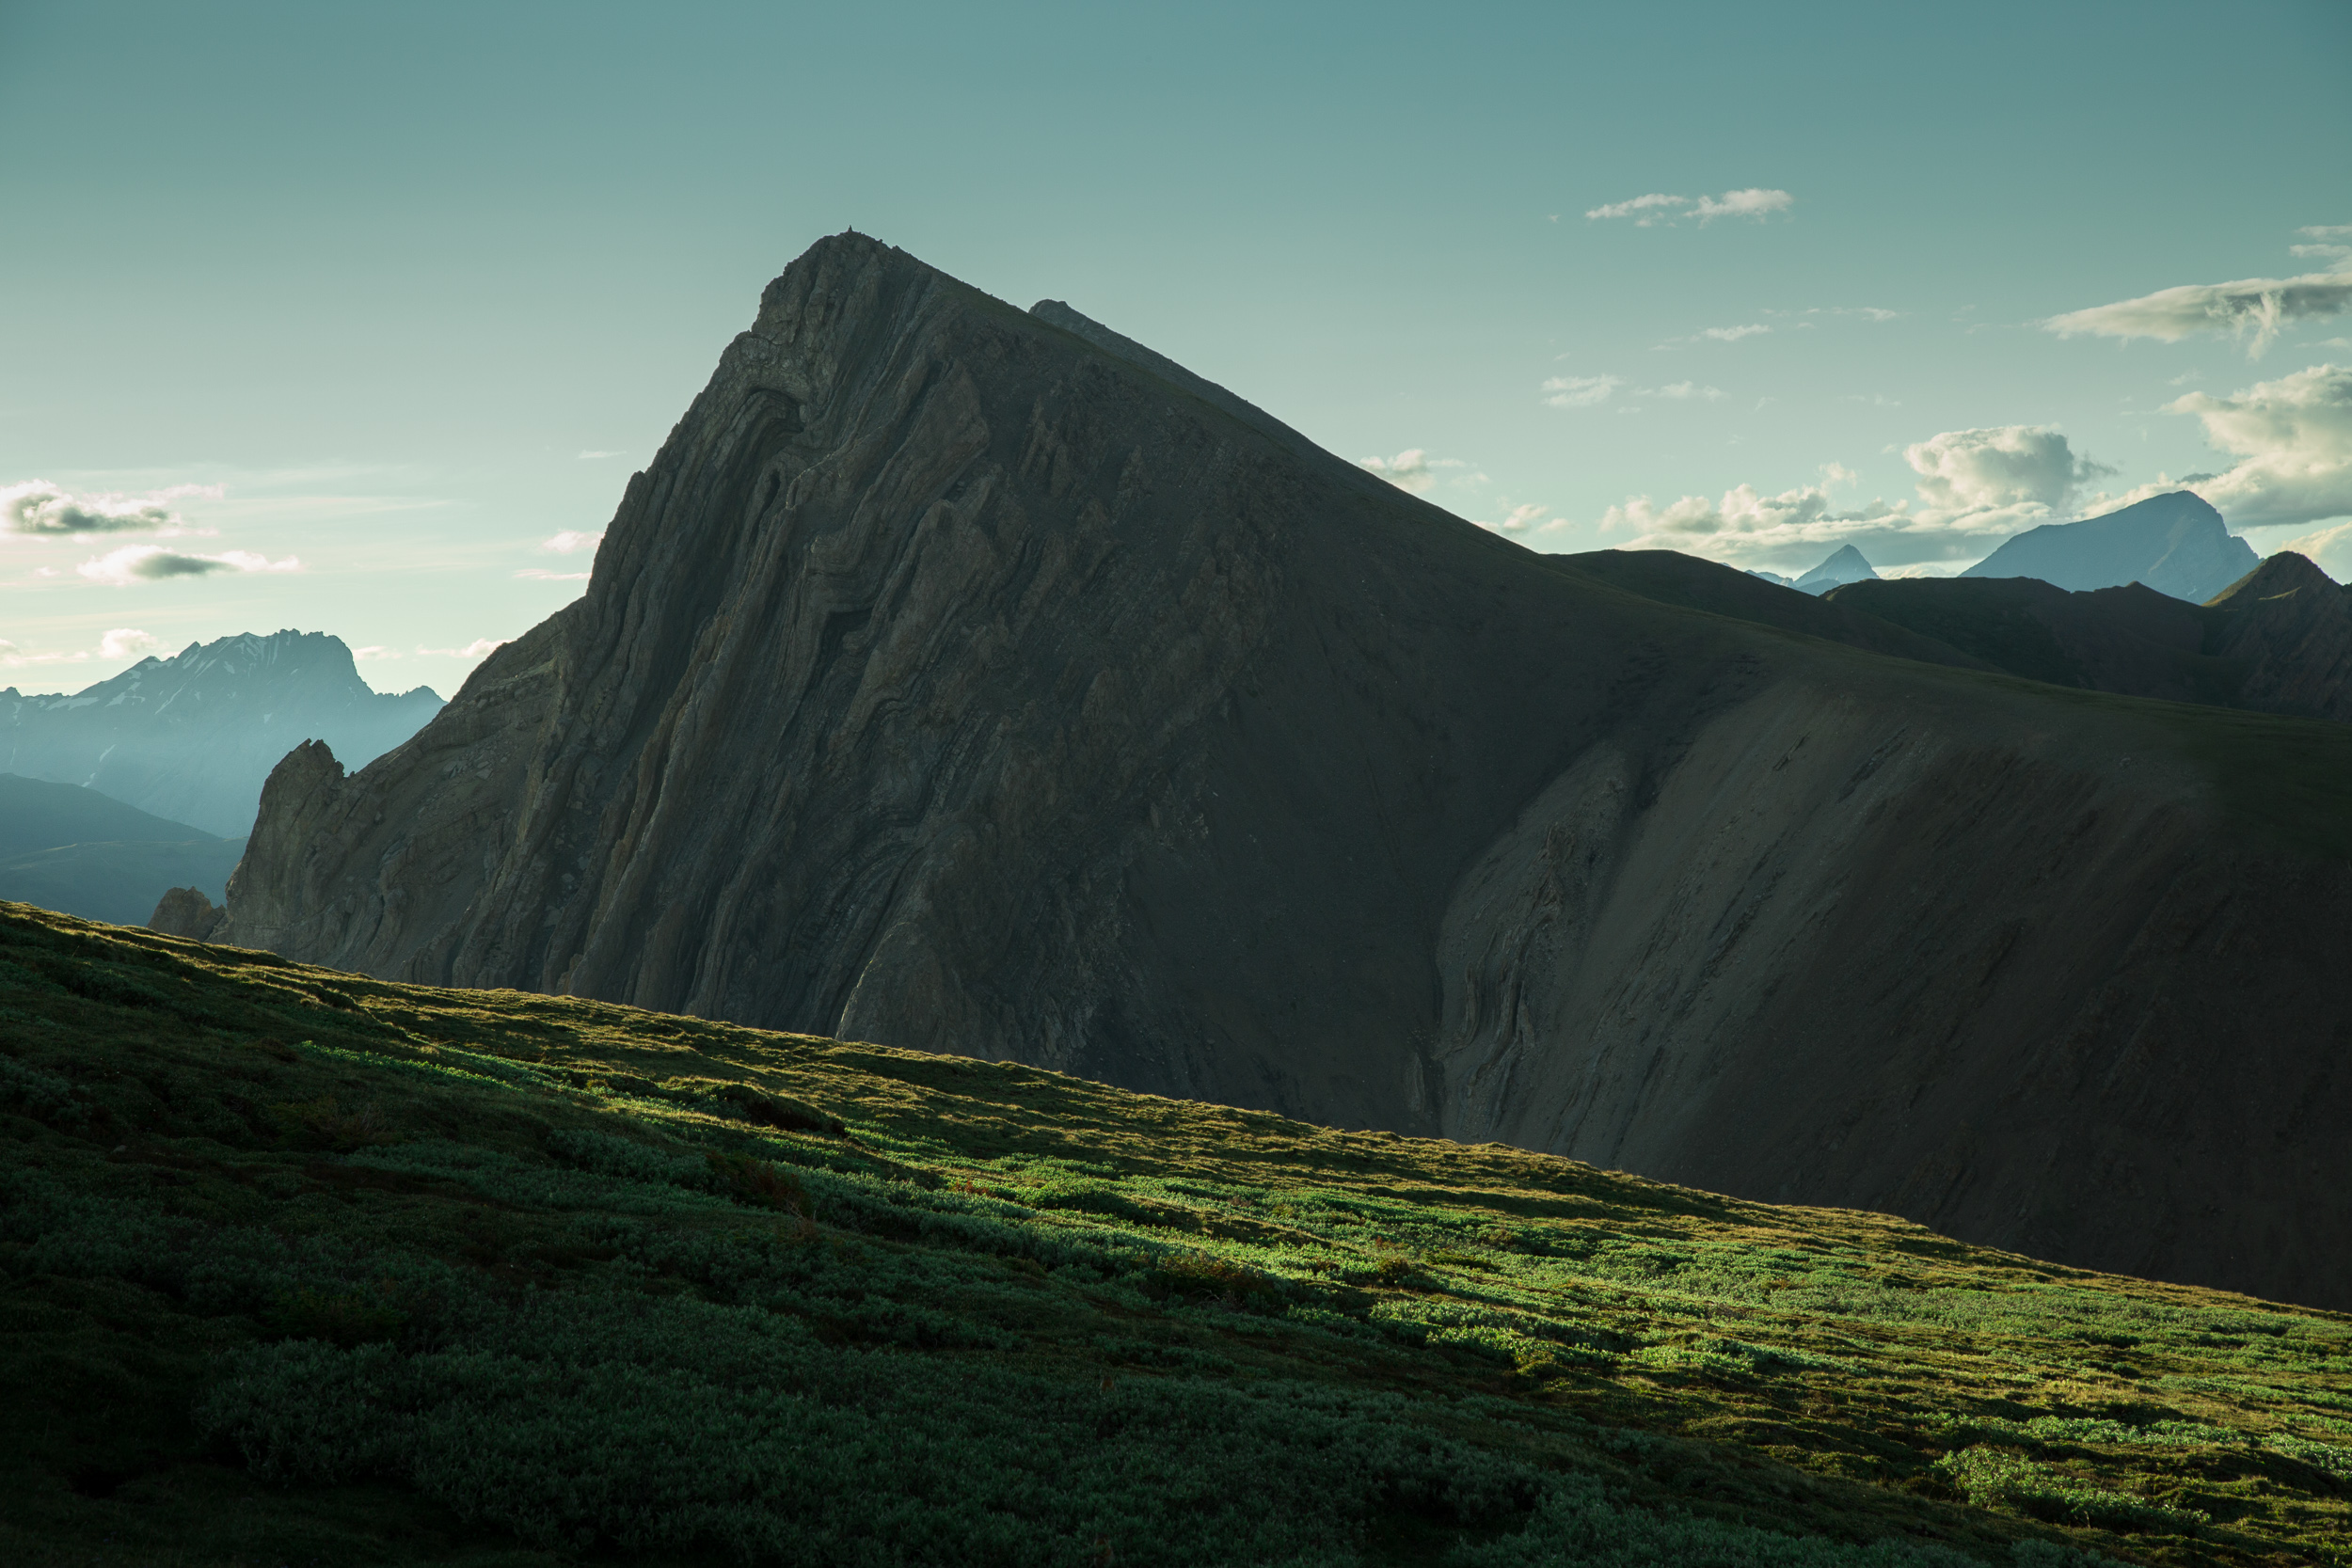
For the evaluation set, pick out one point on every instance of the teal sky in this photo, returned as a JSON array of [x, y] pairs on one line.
[[405, 291]]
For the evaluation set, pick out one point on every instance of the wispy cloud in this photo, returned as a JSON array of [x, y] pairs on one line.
[[1660, 209], [39, 507], [1581, 392], [2255, 308], [376, 650], [131, 563], [127, 642], [570, 542], [1681, 391], [1733, 334], [480, 647], [540, 574], [588, 456]]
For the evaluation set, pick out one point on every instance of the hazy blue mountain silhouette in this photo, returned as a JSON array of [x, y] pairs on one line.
[[1846, 565], [2175, 543], [191, 737], [66, 847]]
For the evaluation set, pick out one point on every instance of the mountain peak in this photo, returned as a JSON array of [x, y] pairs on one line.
[[2277, 575], [1845, 564], [2174, 542]]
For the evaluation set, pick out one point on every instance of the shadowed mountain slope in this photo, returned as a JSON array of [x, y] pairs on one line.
[[2279, 640], [960, 681], [69, 848], [2175, 543], [192, 737]]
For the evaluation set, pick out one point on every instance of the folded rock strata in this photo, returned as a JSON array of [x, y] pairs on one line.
[[973, 680]]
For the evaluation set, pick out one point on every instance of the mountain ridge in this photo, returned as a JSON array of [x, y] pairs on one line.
[[951, 680]]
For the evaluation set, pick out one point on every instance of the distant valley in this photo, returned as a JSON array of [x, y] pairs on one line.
[[191, 737], [976, 680]]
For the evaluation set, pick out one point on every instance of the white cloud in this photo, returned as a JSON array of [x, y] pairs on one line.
[[126, 642], [1644, 210], [540, 574], [1681, 390], [479, 648], [1518, 519], [2330, 549], [1733, 334], [376, 650], [1656, 209], [1411, 469], [2252, 308], [587, 456], [1581, 392], [2334, 243], [1753, 202], [153, 564], [570, 542], [39, 507], [2007, 466], [1976, 488], [2293, 437]]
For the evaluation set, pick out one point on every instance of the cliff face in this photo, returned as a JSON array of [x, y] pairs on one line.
[[977, 681]]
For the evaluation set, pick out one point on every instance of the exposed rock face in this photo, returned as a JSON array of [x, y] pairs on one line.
[[184, 911], [191, 737], [966, 681], [2175, 543]]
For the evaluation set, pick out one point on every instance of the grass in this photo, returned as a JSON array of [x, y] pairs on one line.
[[301, 1267]]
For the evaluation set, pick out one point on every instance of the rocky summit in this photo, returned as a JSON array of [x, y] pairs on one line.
[[969, 679]]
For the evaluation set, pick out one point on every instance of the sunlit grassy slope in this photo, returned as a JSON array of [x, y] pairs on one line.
[[301, 1267]]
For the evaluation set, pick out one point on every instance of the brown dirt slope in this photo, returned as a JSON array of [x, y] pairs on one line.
[[961, 681]]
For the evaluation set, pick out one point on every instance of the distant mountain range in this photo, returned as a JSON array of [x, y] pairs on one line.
[[66, 847], [191, 737], [2174, 543], [968, 679], [2277, 640]]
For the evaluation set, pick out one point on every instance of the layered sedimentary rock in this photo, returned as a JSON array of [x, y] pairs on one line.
[[972, 680]]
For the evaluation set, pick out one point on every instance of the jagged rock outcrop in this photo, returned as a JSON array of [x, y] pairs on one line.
[[184, 911], [972, 680]]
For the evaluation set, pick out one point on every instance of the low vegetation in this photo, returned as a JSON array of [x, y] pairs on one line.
[[301, 1267]]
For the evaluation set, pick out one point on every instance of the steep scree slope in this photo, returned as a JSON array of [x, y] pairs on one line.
[[959, 680]]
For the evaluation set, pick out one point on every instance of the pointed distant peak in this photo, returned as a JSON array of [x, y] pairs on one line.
[[2277, 577], [1845, 565]]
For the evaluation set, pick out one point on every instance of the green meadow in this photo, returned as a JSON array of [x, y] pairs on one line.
[[305, 1268]]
